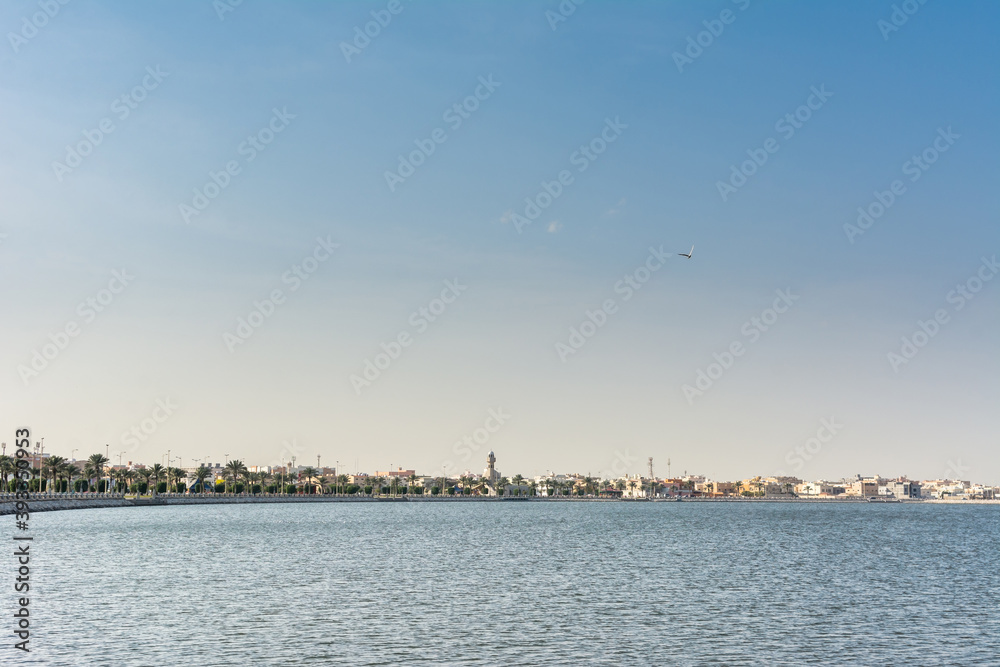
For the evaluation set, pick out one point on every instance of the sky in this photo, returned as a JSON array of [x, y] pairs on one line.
[[251, 230]]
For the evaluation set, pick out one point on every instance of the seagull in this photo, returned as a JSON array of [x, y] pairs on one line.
[[688, 254]]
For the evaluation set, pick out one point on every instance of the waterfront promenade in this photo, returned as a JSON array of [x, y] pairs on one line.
[[42, 502]]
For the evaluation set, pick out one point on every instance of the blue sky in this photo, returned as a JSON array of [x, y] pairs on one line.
[[620, 397]]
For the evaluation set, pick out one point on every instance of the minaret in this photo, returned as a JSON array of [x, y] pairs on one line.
[[490, 474]]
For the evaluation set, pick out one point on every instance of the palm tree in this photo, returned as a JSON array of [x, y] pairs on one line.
[[72, 472], [532, 487], [201, 474], [144, 474], [156, 472], [90, 472], [129, 476], [97, 462], [517, 480], [51, 468], [7, 468], [264, 476], [342, 481], [376, 482], [234, 470], [464, 480], [307, 475], [179, 475]]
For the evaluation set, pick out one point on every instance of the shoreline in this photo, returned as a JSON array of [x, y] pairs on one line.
[[43, 503]]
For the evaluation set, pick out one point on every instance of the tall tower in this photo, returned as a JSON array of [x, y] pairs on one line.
[[490, 474], [651, 468]]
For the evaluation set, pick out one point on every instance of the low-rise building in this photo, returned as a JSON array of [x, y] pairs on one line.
[[398, 472], [900, 489]]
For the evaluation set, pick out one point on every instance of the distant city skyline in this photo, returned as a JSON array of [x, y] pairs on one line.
[[275, 228]]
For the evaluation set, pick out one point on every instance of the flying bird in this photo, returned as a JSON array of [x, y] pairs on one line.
[[687, 254]]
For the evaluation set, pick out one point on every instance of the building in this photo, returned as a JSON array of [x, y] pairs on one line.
[[398, 472], [718, 488], [635, 487], [491, 477], [900, 489], [866, 488], [826, 489]]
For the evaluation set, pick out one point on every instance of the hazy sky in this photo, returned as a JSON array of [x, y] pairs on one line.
[[349, 163]]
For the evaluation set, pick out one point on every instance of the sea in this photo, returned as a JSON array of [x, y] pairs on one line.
[[513, 583]]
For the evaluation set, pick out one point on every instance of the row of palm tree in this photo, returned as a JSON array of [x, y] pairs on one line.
[[57, 470]]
